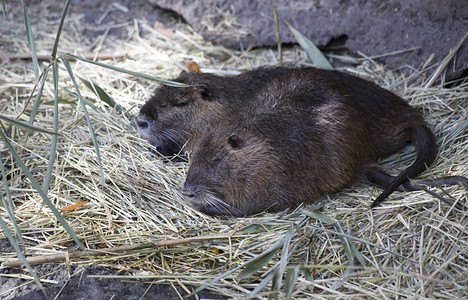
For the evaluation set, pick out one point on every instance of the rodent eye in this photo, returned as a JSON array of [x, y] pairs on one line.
[[235, 141], [180, 104], [204, 91], [205, 94]]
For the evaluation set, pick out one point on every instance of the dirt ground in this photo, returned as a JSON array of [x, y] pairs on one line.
[[91, 19], [75, 283], [423, 28]]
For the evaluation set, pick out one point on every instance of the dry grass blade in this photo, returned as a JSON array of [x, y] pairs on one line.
[[16, 246], [88, 120], [414, 245], [137, 74], [37, 101], [25, 125], [446, 62], [39, 189]]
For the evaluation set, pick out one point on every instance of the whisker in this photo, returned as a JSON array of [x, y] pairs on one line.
[[220, 205]]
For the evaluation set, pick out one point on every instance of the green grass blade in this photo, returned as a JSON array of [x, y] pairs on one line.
[[260, 260], [8, 203], [37, 101], [207, 283], [357, 254], [53, 146], [350, 250], [290, 281], [211, 281], [25, 125], [88, 120], [320, 217], [137, 74], [350, 253], [30, 36], [21, 256], [75, 95], [98, 91], [310, 259], [361, 241], [253, 229], [278, 36], [440, 197], [39, 189], [59, 30], [260, 286], [276, 284], [344, 277], [61, 101], [315, 55]]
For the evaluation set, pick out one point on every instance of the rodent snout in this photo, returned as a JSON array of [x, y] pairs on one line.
[[191, 191], [142, 121]]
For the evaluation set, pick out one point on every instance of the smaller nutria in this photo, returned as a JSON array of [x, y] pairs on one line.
[[299, 140], [174, 116]]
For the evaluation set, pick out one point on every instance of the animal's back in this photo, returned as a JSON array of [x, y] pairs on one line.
[[391, 119]]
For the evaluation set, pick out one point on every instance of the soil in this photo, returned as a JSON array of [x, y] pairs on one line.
[[374, 30], [371, 27], [75, 284], [91, 19]]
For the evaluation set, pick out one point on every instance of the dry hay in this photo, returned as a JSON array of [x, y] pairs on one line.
[[140, 201]]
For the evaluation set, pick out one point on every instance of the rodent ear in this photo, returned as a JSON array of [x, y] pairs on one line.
[[205, 93], [193, 67], [235, 141]]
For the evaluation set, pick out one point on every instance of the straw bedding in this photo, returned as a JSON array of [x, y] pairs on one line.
[[140, 199]]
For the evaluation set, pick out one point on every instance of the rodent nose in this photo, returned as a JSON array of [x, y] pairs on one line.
[[191, 191], [142, 121]]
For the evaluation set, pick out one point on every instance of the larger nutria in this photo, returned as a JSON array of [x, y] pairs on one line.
[[304, 135]]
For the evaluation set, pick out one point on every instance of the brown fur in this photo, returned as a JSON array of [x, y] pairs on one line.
[[334, 113], [298, 142], [174, 116], [305, 135]]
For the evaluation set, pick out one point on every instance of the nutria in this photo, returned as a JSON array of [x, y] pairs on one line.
[[175, 115], [305, 135]]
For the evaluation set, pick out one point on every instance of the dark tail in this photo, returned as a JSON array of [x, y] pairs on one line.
[[380, 178], [424, 142]]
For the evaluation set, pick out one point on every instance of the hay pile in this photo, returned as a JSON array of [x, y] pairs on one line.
[[414, 245]]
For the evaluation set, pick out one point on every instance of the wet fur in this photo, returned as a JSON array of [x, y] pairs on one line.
[[306, 135], [174, 116], [341, 106]]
